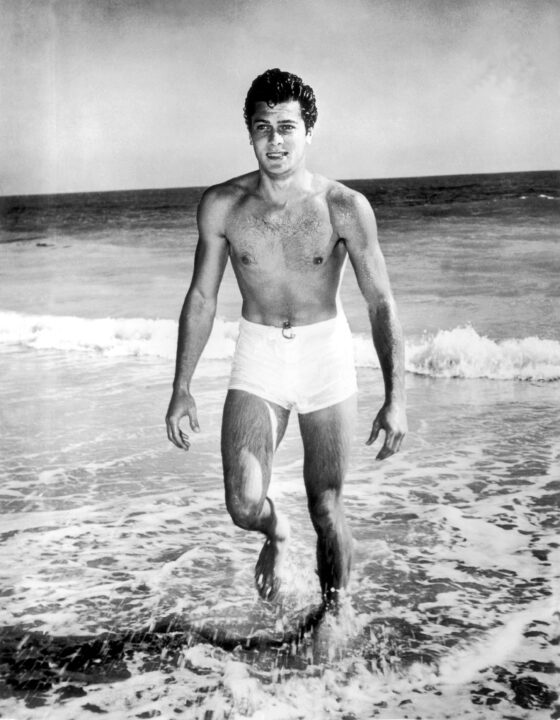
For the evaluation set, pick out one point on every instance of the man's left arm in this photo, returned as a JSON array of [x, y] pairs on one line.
[[355, 223]]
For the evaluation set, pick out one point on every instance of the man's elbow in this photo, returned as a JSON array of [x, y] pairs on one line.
[[382, 308], [199, 304]]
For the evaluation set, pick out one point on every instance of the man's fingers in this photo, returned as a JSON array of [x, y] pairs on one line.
[[170, 432], [394, 428], [392, 445], [182, 405], [375, 429], [385, 452], [180, 439], [176, 435], [388, 446], [193, 419]]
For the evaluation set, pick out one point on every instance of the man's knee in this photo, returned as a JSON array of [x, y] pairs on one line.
[[325, 509], [245, 512], [246, 480]]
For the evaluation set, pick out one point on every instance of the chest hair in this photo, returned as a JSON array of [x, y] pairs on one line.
[[296, 238]]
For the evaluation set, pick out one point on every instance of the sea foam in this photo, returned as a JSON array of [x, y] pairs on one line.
[[457, 353], [112, 337], [463, 353]]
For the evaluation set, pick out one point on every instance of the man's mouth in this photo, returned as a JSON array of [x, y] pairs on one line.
[[276, 155]]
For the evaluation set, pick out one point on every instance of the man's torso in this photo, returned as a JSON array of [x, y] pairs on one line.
[[287, 260]]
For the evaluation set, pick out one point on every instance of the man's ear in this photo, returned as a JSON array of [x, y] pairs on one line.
[[309, 136]]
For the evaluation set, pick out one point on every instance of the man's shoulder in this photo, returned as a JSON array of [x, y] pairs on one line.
[[346, 206], [230, 191], [341, 197], [220, 200]]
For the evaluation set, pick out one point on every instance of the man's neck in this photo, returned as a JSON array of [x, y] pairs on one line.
[[281, 190]]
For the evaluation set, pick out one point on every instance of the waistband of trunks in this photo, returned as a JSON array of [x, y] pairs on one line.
[[319, 329]]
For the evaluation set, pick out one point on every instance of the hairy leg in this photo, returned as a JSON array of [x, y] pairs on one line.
[[252, 428], [327, 436]]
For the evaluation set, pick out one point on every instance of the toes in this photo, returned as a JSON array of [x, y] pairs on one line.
[[273, 591], [265, 579], [264, 587]]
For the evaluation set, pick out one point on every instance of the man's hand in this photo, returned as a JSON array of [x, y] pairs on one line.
[[182, 403], [392, 419]]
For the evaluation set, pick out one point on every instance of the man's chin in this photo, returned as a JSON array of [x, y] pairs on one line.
[[275, 168], [280, 165]]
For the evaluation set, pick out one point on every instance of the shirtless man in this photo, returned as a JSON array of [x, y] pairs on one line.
[[288, 233]]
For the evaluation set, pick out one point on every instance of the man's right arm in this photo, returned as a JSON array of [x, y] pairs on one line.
[[199, 310]]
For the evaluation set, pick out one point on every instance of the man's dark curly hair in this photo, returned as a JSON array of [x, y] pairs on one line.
[[276, 86]]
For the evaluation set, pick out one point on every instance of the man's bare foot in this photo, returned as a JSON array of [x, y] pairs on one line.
[[268, 570]]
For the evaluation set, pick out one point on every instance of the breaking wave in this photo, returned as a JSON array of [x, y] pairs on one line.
[[463, 353], [112, 337], [457, 353]]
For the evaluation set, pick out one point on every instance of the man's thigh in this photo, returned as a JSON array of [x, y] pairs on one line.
[[327, 437], [252, 428]]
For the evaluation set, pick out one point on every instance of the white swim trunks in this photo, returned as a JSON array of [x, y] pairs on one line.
[[306, 367]]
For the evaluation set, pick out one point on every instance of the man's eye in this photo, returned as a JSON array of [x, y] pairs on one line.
[[287, 128]]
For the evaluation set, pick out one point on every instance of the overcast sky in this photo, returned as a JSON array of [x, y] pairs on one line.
[[111, 94]]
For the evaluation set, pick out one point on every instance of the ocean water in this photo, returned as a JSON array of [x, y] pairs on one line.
[[125, 588]]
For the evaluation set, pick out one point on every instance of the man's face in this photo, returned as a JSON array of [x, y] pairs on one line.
[[279, 137]]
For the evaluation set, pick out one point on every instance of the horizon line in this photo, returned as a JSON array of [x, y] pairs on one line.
[[342, 180]]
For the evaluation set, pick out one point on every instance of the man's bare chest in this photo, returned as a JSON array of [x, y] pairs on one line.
[[292, 238]]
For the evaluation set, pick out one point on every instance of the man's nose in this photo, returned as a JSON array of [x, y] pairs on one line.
[[275, 137]]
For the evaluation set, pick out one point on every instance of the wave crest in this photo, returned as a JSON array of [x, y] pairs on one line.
[[463, 353], [457, 353], [112, 337]]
